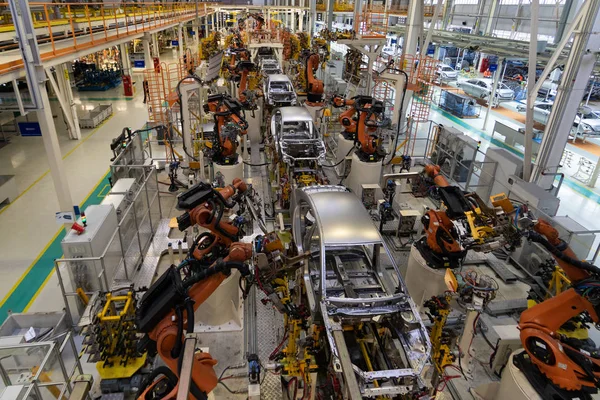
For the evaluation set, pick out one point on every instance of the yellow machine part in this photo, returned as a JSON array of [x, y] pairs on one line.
[[479, 233], [117, 371], [502, 201], [45, 378]]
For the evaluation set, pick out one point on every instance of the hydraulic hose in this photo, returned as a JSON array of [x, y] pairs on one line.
[[220, 267], [538, 238]]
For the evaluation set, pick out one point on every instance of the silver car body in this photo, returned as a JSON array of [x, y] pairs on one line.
[[333, 225], [296, 136], [279, 91], [588, 122], [446, 72], [541, 111], [482, 89]]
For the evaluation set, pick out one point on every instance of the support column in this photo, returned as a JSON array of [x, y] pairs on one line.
[[155, 49], [180, 39], [447, 16], [566, 16], [36, 80], [147, 53], [479, 17], [64, 85], [330, 4], [301, 21], [123, 49], [357, 13], [489, 26], [497, 76], [313, 17], [50, 139], [414, 30], [576, 75]]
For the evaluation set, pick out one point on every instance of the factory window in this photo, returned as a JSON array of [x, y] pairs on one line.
[[466, 2]]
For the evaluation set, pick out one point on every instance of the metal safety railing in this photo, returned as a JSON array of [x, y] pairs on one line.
[[41, 368], [65, 28], [120, 260]]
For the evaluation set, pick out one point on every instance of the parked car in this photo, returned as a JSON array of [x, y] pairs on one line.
[[588, 122], [482, 89], [446, 72], [541, 111], [279, 91]]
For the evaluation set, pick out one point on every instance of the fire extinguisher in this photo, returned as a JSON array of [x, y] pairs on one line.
[[127, 85], [156, 65]]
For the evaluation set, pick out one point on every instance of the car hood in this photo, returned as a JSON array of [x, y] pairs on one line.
[[505, 92], [594, 123]]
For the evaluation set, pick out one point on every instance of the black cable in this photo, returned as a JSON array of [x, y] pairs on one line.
[[342, 160], [176, 350], [189, 308], [538, 238], [179, 100], [220, 267], [257, 165], [399, 112], [162, 370]]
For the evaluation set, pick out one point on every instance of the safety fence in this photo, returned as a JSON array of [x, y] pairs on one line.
[[66, 28], [44, 369], [121, 262]]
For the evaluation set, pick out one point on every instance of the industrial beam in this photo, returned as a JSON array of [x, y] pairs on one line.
[[531, 97]]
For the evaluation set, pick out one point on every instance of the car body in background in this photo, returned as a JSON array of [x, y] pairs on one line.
[[297, 139], [541, 111], [446, 72], [279, 91], [587, 120], [481, 88]]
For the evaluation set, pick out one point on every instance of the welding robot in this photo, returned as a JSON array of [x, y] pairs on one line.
[[314, 86], [168, 307], [360, 123], [463, 222], [560, 361]]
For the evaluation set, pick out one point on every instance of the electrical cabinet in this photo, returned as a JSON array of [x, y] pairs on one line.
[[101, 225]]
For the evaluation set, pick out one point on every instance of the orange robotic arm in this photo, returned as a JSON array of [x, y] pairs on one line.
[[370, 111], [315, 89], [347, 117], [563, 364], [187, 286], [434, 172], [229, 122]]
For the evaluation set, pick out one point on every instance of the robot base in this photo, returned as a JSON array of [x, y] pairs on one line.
[[231, 171], [422, 281], [223, 311], [439, 261], [362, 173], [522, 380], [343, 150]]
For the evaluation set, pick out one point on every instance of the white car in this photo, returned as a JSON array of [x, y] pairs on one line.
[[588, 122], [446, 72], [482, 89], [541, 111]]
